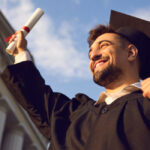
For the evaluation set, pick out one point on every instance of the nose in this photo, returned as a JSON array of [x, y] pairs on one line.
[[95, 55]]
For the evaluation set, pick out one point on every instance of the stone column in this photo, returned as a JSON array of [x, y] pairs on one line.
[[3, 115], [13, 140]]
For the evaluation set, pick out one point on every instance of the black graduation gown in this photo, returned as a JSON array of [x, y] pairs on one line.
[[77, 124]]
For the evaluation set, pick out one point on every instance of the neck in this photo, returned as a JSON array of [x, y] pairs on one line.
[[120, 84]]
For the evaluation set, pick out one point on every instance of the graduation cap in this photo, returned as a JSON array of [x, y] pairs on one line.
[[137, 31]]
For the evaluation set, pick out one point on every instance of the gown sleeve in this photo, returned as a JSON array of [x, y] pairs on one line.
[[28, 87]]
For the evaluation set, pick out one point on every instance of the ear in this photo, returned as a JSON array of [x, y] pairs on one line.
[[132, 52]]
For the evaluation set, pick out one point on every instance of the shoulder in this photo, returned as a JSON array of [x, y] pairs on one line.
[[80, 101], [84, 99], [135, 106], [132, 98]]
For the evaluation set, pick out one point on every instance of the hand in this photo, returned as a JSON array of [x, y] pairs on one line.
[[145, 86], [21, 44]]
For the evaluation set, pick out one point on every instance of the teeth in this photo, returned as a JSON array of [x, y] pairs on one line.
[[98, 64]]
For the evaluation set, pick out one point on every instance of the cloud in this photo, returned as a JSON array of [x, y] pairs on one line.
[[143, 13], [17, 11], [53, 49]]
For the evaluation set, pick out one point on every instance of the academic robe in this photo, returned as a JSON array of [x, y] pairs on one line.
[[77, 124]]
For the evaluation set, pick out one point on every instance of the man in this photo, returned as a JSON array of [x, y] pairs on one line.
[[119, 120]]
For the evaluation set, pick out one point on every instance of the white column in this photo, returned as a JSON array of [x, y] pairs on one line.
[[3, 115], [13, 140]]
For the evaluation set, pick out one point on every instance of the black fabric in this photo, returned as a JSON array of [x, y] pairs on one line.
[[78, 124], [119, 20]]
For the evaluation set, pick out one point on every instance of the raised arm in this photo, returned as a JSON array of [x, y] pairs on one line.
[[25, 82]]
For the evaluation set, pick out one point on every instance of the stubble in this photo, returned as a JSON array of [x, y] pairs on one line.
[[107, 76]]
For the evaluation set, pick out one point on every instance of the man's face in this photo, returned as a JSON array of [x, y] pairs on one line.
[[108, 58]]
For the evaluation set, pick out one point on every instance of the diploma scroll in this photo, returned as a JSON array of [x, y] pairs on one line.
[[26, 28]]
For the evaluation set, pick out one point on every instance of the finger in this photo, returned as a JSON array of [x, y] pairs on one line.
[[146, 94], [20, 35], [145, 86], [145, 81], [15, 52], [12, 38], [146, 91]]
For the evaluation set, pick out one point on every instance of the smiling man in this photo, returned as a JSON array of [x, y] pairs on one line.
[[118, 120], [111, 60], [114, 61]]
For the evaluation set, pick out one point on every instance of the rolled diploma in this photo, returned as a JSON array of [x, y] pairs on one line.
[[29, 24]]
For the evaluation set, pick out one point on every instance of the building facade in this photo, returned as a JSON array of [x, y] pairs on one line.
[[17, 132]]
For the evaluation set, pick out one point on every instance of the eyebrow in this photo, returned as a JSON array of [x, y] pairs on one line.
[[105, 41], [99, 43]]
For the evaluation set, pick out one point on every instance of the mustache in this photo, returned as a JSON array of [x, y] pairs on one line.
[[103, 57], [92, 65], [99, 58]]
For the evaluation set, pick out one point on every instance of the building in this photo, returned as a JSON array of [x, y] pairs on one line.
[[17, 132]]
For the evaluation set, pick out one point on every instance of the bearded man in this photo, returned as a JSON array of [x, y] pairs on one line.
[[118, 120]]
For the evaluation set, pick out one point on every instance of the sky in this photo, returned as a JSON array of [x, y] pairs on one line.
[[58, 42]]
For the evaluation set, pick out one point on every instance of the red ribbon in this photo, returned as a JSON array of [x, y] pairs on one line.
[[8, 38], [24, 28]]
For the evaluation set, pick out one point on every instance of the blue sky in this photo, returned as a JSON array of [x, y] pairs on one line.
[[58, 42]]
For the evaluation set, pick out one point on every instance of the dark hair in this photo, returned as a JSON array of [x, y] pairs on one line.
[[97, 31]]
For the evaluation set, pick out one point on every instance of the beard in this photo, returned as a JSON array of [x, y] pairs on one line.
[[107, 76]]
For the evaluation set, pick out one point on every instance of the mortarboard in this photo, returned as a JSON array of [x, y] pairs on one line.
[[137, 31], [118, 20]]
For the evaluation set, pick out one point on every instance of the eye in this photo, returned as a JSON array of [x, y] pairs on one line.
[[104, 44]]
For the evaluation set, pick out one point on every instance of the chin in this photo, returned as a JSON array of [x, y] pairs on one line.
[[107, 75]]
